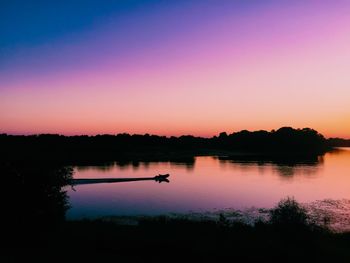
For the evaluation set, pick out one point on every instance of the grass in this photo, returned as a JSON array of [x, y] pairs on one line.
[[162, 239]]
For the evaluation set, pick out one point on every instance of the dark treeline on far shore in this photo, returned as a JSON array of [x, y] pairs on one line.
[[339, 142], [83, 148]]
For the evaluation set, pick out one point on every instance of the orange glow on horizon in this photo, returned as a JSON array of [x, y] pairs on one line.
[[255, 70]]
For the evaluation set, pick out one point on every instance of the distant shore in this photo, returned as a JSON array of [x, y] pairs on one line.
[[286, 142]]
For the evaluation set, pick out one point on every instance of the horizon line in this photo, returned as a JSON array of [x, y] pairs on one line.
[[167, 136]]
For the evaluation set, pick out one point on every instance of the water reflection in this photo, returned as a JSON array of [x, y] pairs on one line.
[[211, 183], [188, 163], [205, 183], [288, 172], [286, 167], [277, 160]]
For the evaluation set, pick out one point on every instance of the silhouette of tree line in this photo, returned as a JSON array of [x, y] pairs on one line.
[[85, 148], [339, 142], [284, 140]]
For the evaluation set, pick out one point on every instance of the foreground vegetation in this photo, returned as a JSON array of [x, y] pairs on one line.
[[287, 237], [36, 230]]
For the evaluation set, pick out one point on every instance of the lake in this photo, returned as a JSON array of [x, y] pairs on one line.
[[209, 183]]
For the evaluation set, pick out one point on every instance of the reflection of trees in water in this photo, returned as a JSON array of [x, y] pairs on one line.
[[287, 172], [340, 154], [35, 193], [136, 165], [101, 167], [188, 163], [285, 166]]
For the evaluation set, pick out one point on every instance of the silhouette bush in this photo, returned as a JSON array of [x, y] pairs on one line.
[[289, 213], [40, 198]]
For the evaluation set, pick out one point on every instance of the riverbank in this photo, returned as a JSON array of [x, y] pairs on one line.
[[330, 214], [180, 240], [289, 234]]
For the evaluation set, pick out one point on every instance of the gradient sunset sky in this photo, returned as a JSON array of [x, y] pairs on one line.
[[174, 67]]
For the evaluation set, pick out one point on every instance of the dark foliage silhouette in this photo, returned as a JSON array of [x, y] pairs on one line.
[[103, 148], [289, 214], [338, 142], [38, 198], [155, 239], [285, 140]]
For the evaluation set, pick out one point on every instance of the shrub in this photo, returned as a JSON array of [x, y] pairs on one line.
[[288, 212]]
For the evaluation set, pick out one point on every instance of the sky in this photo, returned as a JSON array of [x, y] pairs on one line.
[[174, 67]]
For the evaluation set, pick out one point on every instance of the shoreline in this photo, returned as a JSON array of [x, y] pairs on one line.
[[329, 213]]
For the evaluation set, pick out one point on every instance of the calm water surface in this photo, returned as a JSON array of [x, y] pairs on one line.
[[207, 184]]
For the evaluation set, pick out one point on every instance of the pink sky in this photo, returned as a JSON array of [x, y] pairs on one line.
[[172, 71]]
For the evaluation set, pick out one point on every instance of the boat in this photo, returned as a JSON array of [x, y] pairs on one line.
[[161, 177]]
